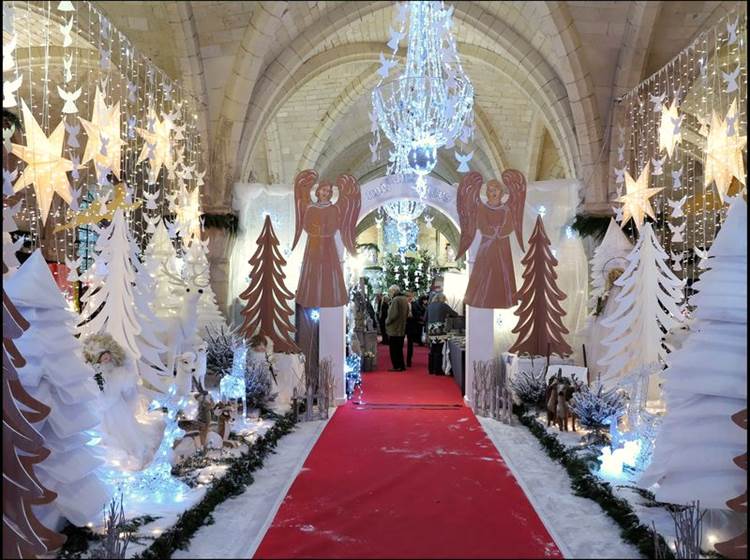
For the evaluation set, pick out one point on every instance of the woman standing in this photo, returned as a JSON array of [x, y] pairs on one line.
[[437, 313], [382, 315]]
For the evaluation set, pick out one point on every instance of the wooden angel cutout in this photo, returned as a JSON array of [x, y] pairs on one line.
[[321, 281], [492, 282]]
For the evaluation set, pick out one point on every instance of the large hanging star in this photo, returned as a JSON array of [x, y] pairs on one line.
[[104, 144], [670, 129], [45, 167], [635, 203], [724, 152], [158, 142]]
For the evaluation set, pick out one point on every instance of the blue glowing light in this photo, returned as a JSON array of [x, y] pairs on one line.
[[315, 315]]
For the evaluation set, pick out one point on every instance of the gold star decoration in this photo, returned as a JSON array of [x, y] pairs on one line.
[[95, 213], [188, 215], [103, 130], [636, 200], [670, 133], [724, 152], [160, 140], [45, 167]]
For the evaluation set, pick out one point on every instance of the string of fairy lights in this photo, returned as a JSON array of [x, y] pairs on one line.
[[674, 110], [72, 46]]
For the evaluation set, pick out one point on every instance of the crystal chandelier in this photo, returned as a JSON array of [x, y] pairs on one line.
[[403, 210], [429, 104]]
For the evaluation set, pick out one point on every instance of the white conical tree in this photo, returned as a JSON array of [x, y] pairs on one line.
[[209, 314], [647, 307], [108, 306], [57, 375], [160, 253], [706, 384]]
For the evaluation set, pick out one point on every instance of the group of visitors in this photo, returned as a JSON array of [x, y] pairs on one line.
[[402, 315]]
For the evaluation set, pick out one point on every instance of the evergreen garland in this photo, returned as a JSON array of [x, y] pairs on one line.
[[237, 478], [587, 485], [228, 222], [411, 274], [530, 387]]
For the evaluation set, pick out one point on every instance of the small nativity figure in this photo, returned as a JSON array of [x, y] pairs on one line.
[[492, 282], [321, 281]]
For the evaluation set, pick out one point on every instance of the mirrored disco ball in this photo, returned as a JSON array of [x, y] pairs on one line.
[[422, 159]]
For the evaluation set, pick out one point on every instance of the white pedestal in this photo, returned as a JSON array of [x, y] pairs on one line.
[[480, 341], [332, 345]]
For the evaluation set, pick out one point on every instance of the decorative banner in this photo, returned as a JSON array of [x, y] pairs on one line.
[[267, 312], [492, 282], [540, 329], [321, 282]]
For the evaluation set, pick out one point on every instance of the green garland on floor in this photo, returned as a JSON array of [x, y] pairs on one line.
[[585, 484], [237, 478]]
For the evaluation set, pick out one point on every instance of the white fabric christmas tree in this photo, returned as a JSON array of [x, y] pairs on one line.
[[208, 310], [646, 308], [610, 254], [56, 375], [159, 253], [706, 383], [108, 305]]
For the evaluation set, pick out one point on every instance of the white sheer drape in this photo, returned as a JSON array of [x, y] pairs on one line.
[[559, 199], [252, 202]]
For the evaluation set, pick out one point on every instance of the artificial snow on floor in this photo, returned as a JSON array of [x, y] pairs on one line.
[[240, 522], [579, 526]]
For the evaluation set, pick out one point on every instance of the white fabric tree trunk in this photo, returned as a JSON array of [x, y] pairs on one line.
[[57, 375], [706, 383]]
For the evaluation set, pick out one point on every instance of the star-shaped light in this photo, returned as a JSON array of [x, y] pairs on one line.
[[45, 167], [104, 123], [188, 213], [670, 133], [635, 203], [724, 153], [101, 209], [160, 139]]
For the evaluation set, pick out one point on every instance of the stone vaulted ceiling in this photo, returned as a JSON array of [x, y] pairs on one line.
[[286, 85]]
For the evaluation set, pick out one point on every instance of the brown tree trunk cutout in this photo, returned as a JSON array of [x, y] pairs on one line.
[[737, 547], [24, 536], [267, 311], [540, 329]]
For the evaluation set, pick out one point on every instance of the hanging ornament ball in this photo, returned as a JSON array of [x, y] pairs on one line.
[[422, 159]]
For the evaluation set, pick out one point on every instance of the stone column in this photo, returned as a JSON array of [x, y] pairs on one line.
[[220, 242]]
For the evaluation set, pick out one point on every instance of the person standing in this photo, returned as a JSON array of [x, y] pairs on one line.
[[414, 325], [395, 327], [382, 315], [437, 313]]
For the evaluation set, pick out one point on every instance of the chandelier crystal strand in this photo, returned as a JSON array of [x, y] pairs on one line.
[[429, 105]]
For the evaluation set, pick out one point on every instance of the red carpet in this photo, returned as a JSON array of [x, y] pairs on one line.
[[389, 480]]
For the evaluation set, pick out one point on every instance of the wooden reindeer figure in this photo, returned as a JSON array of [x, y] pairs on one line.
[[226, 413]]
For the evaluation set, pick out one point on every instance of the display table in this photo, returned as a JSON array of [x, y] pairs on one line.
[[457, 355]]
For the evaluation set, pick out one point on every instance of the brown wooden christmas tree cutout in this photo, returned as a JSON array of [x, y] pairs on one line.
[[24, 536], [737, 547], [267, 311], [540, 329]]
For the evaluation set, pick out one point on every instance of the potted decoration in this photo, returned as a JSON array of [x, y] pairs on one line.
[[368, 361]]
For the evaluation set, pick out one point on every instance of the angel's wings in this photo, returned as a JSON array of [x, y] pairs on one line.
[[467, 201], [349, 203], [516, 183], [302, 185]]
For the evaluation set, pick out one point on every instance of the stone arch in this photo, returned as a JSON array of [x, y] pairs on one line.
[[542, 77]]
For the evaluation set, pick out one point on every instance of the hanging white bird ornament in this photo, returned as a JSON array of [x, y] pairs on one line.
[[9, 91], [66, 30]]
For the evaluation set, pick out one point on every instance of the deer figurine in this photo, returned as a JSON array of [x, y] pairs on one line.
[[181, 333]]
